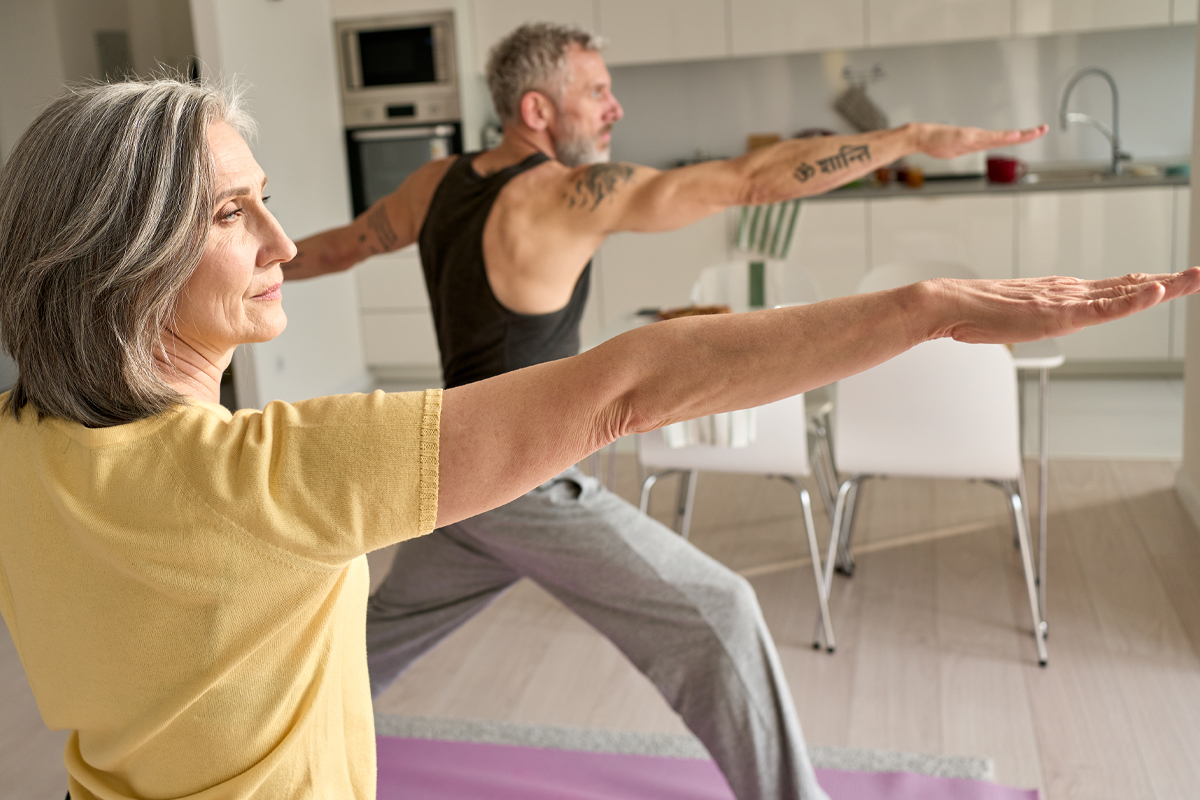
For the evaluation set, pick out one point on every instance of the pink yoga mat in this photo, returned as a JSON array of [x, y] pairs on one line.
[[425, 769]]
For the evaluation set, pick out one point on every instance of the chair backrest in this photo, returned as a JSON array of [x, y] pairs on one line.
[[942, 409], [729, 284], [780, 446], [890, 276]]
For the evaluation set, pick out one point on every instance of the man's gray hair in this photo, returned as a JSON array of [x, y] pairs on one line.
[[533, 58], [105, 207]]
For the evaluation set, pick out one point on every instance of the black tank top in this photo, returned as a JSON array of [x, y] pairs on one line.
[[477, 335]]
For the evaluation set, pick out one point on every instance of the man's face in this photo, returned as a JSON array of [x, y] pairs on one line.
[[581, 131]]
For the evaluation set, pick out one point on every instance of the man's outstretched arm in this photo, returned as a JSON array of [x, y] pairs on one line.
[[505, 435], [389, 224], [603, 198]]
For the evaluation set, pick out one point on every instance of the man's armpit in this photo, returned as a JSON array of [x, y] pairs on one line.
[[597, 182]]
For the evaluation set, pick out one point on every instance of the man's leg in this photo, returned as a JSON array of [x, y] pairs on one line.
[[436, 583], [690, 624]]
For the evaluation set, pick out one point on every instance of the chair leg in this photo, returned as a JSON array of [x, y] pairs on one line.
[[845, 560], [1019, 519], [687, 500], [647, 485], [810, 529], [835, 527], [823, 462]]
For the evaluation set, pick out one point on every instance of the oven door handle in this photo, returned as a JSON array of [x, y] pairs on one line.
[[383, 134]]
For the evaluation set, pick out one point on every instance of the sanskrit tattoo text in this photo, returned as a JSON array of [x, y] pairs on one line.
[[844, 158]]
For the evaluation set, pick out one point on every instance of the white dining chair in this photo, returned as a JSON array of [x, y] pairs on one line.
[[891, 276], [780, 447], [944, 409]]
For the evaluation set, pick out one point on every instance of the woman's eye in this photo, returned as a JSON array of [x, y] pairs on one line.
[[266, 199], [231, 216]]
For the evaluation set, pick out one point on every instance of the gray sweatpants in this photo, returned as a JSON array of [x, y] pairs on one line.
[[691, 625]]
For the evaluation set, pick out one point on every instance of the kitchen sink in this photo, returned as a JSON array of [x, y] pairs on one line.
[[1090, 175]]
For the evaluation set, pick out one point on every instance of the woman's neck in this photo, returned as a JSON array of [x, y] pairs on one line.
[[189, 371]]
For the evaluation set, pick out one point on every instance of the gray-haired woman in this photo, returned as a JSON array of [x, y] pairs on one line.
[[186, 587]]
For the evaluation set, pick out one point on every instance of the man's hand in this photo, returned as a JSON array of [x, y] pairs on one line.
[[1040, 308], [949, 141]]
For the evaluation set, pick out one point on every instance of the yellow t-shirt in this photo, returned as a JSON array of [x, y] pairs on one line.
[[188, 593]]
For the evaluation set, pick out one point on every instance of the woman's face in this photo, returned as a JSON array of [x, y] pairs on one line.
[[235, 295]]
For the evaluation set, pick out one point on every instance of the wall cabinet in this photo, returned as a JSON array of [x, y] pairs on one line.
[[893, 22], [494, 19], [639, 32], [653, 31], [1097, 234], [1060, 16], [759, 27]]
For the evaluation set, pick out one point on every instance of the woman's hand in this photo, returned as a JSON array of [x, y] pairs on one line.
[[1041, 308]]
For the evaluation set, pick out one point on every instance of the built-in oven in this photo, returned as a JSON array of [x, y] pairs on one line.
[[398, 70], [381, 158]]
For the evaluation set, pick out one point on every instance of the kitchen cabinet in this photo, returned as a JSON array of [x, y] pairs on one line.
[[975, 230], [639, 32], [402, 339], [894, 22], [657, 269], [758, 27], [396, 320], [392, 281], [494, 19], [830, 245], [1184, 11], [1183, 204], [1059, 16], [1098, 234]]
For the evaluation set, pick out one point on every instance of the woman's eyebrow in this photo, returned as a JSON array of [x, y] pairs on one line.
[[239, 191]]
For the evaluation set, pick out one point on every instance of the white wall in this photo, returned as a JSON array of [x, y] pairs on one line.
[[284, 52], [674, 109], [31, 68], [1188, 480]]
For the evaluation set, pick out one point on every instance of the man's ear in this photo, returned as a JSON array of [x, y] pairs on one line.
[[537, 112]]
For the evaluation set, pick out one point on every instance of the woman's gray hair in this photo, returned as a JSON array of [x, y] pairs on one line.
[[105, 207], [533, 58]]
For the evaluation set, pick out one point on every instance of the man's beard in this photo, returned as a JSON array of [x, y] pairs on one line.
[[575, 150]]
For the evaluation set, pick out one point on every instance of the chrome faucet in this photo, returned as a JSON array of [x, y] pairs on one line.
[[1113, 133]]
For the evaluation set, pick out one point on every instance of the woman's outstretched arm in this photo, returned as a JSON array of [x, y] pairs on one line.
[[503, 436]]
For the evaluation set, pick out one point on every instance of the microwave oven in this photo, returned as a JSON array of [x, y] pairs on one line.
[[398, 70]]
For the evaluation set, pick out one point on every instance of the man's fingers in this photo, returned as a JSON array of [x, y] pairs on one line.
[[1021, 136]]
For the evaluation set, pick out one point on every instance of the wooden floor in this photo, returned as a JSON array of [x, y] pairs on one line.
[[934, 650]]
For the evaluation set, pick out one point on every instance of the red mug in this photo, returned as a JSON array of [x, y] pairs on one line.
[[1001, 169]]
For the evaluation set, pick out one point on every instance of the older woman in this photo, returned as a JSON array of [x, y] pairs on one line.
[[186, 587]]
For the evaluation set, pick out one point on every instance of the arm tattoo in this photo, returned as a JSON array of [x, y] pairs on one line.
[[597, 182], [381, 226], [804, 172]]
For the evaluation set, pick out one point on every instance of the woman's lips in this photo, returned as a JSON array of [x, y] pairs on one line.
[[273, 292]]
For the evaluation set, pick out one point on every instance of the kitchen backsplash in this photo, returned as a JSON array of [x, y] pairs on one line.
[[673, 110]]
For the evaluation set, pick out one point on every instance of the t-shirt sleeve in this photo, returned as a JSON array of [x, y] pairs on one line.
[[326, 479]]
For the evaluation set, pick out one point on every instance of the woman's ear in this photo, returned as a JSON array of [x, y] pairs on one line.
[[537, 112]]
